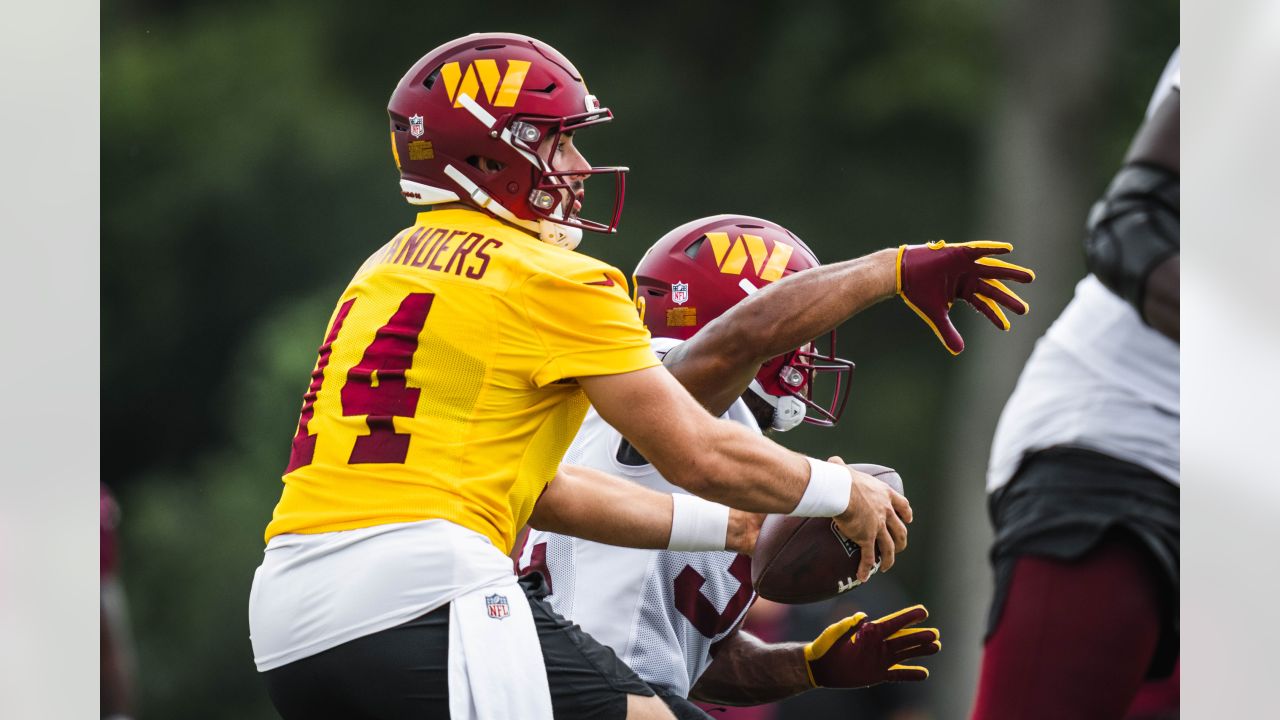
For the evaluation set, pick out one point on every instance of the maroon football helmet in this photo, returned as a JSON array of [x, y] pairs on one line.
[[699, 270], [497, 96]]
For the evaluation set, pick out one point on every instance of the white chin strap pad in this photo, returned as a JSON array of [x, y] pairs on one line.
[[788, 412], [560, 235]]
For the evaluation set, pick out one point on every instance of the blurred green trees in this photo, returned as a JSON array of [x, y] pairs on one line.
[[246, 173]]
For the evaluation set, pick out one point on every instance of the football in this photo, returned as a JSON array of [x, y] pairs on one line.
[[806, 559]]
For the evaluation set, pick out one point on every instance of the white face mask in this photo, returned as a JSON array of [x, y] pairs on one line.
[[788, 411]]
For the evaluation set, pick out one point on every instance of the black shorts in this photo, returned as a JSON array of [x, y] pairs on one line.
[[403, 672], [680, 706], [1063, 501]]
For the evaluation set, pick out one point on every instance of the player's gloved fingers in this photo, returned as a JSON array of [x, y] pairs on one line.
[[896, 621], [838, 632], [884, 542], [898, 531], [822, 661], [913, 635], [990, 309], [947, 334], [917, 651], [937, 320], [908, 640], [985, 247], [906, 673], [1000, 270], [1001, 293], [902, 506]]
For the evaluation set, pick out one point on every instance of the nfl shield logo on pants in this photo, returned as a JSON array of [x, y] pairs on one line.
[[497, 606], [415, 126], [679, 293]]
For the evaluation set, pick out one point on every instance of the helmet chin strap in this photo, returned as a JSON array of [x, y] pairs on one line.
[[788, 412], [548, 231]]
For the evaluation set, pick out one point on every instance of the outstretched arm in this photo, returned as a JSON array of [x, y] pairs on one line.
[[716, 365], [854, 652]]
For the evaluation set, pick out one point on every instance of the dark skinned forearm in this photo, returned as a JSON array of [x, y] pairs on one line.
[[746, 671], [717, 364]]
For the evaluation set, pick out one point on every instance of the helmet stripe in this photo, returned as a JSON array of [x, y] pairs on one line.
[[777, 262], [719, 245], [511, 83], [487, 69], [451, 74]]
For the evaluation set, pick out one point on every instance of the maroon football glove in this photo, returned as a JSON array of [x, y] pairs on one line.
[[932, 276], [857, 652]]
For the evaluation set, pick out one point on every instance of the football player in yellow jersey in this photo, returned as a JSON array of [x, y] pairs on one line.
[[454, 372]]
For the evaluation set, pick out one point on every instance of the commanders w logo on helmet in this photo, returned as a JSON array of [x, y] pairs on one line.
[[484, 72], [731, 256]]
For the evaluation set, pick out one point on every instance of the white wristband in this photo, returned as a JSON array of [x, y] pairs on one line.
[[697, 524], [828, 492]]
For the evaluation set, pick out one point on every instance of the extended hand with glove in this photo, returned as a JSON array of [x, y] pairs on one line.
[[857, 652], [931, 277]]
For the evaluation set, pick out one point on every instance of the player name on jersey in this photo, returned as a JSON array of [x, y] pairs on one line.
[[443, 249]]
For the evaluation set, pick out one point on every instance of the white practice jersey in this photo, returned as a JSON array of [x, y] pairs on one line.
[[1099, 379], [660, 611]]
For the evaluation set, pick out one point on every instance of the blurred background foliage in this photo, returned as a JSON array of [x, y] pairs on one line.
[[246, 174]]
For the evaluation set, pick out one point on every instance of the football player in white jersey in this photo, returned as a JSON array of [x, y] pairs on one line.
[[739, 342], [1084, 472]]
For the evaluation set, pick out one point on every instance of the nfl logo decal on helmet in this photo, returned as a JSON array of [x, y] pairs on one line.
[[415, 126], [679, 293], [497, 606]]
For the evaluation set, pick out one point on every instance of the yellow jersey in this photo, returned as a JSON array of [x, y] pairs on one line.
[[445, 384]]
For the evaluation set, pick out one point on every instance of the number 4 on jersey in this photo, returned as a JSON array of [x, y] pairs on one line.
[[376, 387]]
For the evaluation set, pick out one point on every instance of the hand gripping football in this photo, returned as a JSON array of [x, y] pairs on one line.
[[806, 559]]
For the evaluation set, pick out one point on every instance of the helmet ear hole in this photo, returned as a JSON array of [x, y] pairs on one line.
[[484, 164]]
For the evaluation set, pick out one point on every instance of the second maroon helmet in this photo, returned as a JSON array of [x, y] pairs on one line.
[[500, 97], [696, 272]]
